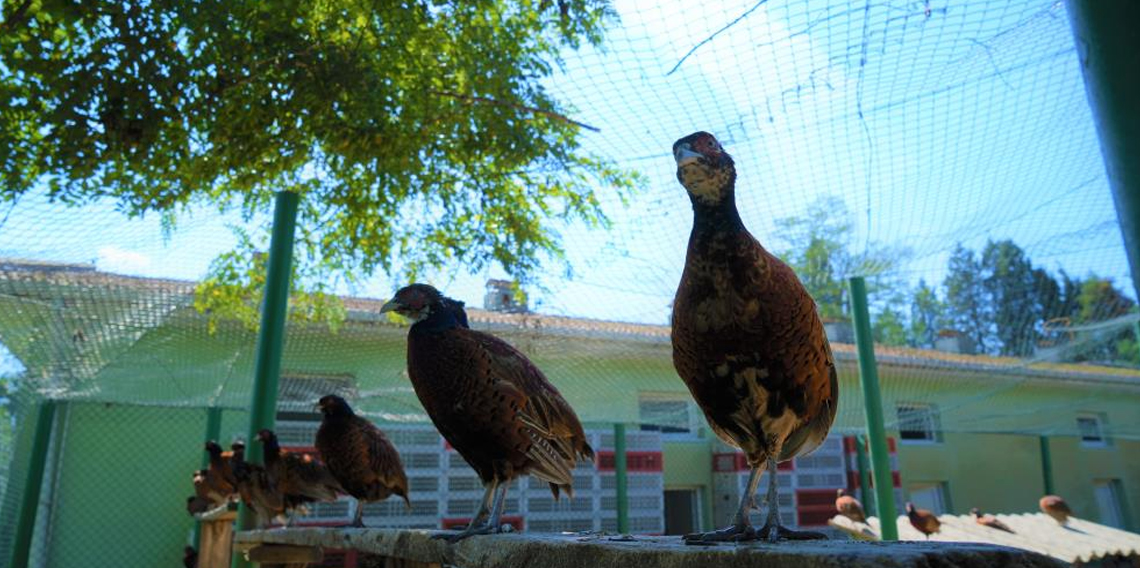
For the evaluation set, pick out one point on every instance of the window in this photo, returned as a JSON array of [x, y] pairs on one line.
[[668, 414], [918, 422], [1108, 502], [1091, 429], [930, 495]]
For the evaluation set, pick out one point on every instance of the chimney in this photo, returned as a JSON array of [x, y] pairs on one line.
[[953, 341], [501, 298]]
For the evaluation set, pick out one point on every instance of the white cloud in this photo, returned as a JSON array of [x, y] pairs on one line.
[[115, 259]]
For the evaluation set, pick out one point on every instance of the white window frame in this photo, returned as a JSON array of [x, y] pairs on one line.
[[1099, 422], [696, 420], [1109, 502], [933, 426]]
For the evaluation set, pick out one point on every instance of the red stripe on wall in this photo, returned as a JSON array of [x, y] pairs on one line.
[[634, 461]]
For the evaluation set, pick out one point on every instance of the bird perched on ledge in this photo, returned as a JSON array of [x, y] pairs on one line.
[[849, 507], [987, 520], [359, 456], [747, 338], [489, 402], [1055, 507], [299, 477], [922, 520]]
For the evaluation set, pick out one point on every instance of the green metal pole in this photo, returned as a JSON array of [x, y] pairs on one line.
[[1109, 49], [271, 336], [1046, 465], [873, 405], [26, 523], [864, 474], [621, 472], [213, 430]]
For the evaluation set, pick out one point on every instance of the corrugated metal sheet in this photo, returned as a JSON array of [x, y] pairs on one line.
[[1079, 541]]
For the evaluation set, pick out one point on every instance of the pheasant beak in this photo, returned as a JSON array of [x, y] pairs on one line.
[[685, 155], [392, 306]]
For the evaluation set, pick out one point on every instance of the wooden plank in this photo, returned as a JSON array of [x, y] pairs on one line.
[[215, 548]]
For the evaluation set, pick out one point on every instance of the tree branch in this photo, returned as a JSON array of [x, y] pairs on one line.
[[516, 106], [12, 21]]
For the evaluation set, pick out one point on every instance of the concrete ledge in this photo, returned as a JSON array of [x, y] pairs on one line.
[[612, 551]]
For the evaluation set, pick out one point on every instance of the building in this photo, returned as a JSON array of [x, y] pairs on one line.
[[135, 367]]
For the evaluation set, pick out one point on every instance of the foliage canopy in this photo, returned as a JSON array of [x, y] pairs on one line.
[[418, 133]]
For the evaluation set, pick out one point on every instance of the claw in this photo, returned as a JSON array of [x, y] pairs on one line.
[[469, 531], [735, 533]]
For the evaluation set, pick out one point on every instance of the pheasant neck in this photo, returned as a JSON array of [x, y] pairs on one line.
[[716, 218], [442, 317], [272, 451]]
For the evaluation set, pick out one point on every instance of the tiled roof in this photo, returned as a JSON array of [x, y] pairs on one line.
[[1078, 541], [368, 309]]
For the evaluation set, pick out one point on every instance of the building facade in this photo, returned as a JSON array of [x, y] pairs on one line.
[[134, 367]]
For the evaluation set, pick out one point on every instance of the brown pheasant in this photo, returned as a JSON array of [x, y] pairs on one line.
[[987, 520], [359, 456], [218, 483], [849, 507], [1055, 507], [255, 487], [299, 477], [489, 402], [747, 338], [922, 520]]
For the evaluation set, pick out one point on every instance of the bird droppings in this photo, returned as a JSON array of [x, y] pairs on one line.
[[624, 551]]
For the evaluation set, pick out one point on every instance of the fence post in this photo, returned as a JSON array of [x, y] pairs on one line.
[[29, 506], [270, 337], [621, 472], [1046, 465], [1108, 47], [864, 475], [873, 405]]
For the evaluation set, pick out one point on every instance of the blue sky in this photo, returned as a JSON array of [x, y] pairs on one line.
[[966, 124]]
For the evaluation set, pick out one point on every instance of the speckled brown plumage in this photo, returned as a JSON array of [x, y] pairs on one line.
[[849, 507], [922, 520], [218, 482], [747, 338], [488, 400], [1055, 507], [256, 488], [359, 456], [298, 476]]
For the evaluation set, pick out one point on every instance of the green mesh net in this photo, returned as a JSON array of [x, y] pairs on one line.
[[946, 152]]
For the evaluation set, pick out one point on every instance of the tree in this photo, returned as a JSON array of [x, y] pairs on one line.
[[968, 308], [418, 133], [1013, 292], [821, 251], [889, 327], [927, 315], [1099, 302]]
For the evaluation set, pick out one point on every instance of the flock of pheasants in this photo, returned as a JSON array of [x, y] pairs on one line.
[[747, 341], [927, 522]]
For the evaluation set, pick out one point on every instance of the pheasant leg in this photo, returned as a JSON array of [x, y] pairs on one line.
[[772, 529], [741, 528], [478, 525], [358, 518]]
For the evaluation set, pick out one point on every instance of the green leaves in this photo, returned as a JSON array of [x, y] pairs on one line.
[[418, 134], [822, 252]]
